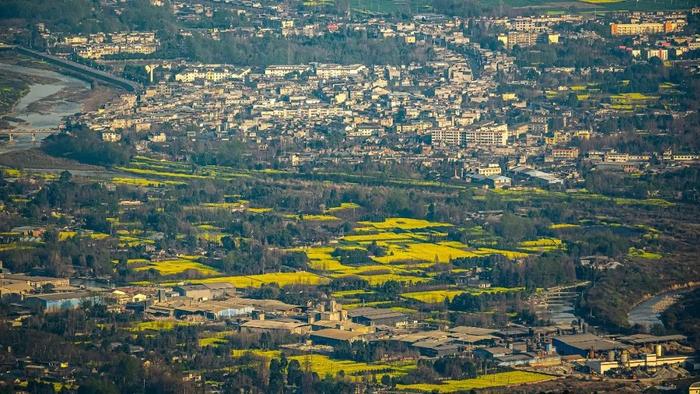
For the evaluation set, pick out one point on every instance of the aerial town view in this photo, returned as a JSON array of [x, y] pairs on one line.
[[349, 196]]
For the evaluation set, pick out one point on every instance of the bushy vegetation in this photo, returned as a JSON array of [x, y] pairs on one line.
[[86, 147]]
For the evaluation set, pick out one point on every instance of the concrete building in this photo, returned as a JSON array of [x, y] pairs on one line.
[[585, 344], [205, 291], [275, 326], [327, 71], [213, 310], [57, 302], [633, 29], [477, 135], [282, 70], [335, 337], [375, 317]]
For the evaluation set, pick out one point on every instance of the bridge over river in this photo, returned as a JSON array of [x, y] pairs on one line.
[[82, 70]]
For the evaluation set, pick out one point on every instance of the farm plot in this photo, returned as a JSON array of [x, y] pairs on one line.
[[324, 365], [485, 381], [176, 266], [437, 296], [280, 278]]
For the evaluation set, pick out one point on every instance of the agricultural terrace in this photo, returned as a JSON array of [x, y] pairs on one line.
[[409, 247], [482, 382]]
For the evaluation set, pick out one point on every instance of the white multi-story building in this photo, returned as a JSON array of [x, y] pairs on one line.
[[489, 134], [283, 69], [339, 70], [213, 73]]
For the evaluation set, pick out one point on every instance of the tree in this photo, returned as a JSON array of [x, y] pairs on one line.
[[277, 375]]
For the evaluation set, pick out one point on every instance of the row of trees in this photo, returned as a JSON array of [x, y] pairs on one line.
[[346, 48]]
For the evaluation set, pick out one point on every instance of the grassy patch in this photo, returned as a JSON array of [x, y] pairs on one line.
[[143, 182], [643, 254], [157, 325], [343, 207]]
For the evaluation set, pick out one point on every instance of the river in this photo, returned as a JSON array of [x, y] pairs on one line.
[[556, 305], [45, 105], [648, 313]]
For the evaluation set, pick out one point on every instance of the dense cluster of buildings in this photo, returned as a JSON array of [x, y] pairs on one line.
[[99, 45], [325, 324], [461, 109]]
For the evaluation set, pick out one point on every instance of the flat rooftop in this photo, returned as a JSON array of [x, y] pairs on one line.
[[644, 339], [590, 342]]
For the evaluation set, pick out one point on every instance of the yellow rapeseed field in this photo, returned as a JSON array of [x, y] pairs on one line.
[[424, 251], [485, 381], [320, 218], [560, 226], [437, 296], [281, 278], [432, 297], [177, 266], [383, 236], [343, 207], [157, 325], [404, 224], [324, 365], [66, 235], [542, 245]]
